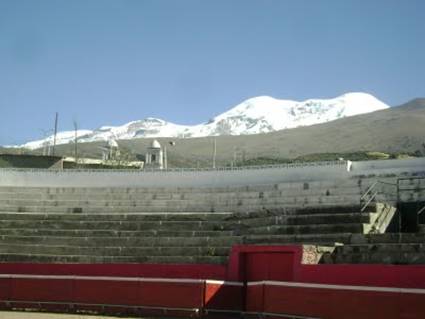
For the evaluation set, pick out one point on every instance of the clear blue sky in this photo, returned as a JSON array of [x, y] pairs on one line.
[[105, 62]]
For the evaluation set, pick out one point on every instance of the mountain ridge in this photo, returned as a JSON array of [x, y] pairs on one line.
[[397, 130], [262, 114]]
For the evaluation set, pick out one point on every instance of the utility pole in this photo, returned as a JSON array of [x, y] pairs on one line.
[[214, 151], [56, 132], [172, 143], [234, 157], [76, 143], [165, 158], [46, 143]]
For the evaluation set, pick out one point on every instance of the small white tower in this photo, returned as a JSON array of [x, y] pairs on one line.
[[110, 151], [154, 156]]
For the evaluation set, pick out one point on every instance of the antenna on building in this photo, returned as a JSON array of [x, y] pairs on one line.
[[46, 141], [214, 151], [56, 132]]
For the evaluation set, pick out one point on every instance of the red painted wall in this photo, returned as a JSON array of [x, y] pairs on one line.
[[277, 283], [407, 276], [167, 295], [194, 271], [344, 291], [223, 297]]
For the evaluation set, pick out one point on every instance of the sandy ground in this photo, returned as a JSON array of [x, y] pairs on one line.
[[35, 315]]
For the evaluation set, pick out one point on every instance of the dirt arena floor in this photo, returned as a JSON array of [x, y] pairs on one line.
[[44, 315]]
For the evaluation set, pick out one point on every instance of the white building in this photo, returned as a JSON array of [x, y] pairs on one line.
[[110, 151], [154, 156]]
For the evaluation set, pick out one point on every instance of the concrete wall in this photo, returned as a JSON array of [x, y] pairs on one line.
[[174, 178], [382, 167], [209, 178]]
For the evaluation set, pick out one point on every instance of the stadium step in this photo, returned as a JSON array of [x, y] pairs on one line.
[[115, 225], [108, 233], [146, 216], [388, 238], [134, 241], [379, 253], [323, 239], [305, 219], [46, 258], [113, 251], [308, 229]]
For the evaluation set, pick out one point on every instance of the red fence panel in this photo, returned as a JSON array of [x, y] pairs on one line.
[[187, 295], [42, 290], [254, 299], [107, 292], [330, 303], [265, 280], [222, 295]]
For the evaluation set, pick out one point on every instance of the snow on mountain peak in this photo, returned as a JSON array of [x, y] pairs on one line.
[[261, 114]]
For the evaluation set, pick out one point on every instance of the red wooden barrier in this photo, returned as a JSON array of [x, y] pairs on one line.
[[269, 281], [223, 296], [330, 291]]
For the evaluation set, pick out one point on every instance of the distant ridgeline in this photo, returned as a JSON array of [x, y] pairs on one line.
[[320, 157], [30, 161], [52, 162]]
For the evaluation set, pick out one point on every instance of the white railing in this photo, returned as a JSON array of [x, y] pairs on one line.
[[208, 169], [372, 192]]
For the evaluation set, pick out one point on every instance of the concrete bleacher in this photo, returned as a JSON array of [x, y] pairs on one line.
[[197, 224], [118, 237], [142, 199], [320, 225], [160, 225]]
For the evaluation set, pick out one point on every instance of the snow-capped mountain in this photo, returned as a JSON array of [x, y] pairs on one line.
[[261, 114]]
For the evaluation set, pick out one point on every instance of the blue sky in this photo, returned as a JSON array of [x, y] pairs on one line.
[[103, 62]]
